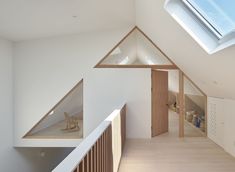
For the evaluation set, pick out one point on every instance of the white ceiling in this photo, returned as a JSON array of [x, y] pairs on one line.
[[30, 19], [214, 74]]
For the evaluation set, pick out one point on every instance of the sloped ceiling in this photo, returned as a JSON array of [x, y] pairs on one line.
[[24, 19], [30, 19], [214, 74]]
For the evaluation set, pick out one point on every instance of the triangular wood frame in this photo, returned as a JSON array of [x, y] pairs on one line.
[[173, 66], [26, 136], [100, 65]]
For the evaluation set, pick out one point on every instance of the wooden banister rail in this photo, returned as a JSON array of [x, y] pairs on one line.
[[99, 156], [101, 151]]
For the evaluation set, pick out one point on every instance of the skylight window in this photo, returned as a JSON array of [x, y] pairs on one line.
[[217, 15], [210, 22]]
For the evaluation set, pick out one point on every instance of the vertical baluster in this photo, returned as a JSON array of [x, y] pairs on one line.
[[91, 160], [95, 157], [109, 149], [98, 156], [85, 164], [101, 142], [103, 151], [100, 162], [105, 161], [88, 162], [81, 166]]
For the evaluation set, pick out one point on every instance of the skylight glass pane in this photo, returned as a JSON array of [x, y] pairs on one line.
[[220, 14]]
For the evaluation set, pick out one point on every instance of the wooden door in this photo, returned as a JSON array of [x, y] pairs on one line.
[[159, 102]]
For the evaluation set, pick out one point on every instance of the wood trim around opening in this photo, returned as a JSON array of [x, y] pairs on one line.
[[57, 104], [194, 84], [206, 116], [130, 32], [138, 66], [181, 104], [100, 65]]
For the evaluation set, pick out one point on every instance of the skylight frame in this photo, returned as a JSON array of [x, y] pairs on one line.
[[198, 29], [203, 19]]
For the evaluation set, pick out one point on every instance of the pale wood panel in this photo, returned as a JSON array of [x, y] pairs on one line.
[[168, 153], [181, 104], [206, 116], [109, 150], [102, 154], [123, 126], [95, 157], [159, 102], [138, 66]]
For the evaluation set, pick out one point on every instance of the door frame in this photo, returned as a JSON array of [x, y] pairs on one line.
[[152, 135], [181, 103]]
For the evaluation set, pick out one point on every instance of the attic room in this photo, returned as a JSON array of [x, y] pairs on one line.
[[48, 47]]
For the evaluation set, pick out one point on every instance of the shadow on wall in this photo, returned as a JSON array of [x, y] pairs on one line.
[[41, 159]]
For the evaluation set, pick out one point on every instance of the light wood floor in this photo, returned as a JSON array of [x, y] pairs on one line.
[[168, 153]]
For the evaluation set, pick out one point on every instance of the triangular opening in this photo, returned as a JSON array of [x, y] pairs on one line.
[[136, 50], [64, 120], [195, 110]]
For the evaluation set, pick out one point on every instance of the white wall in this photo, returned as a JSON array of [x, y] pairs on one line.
[[47, 69], [11, 159], [221, 117], [107, 89], [6, 127]]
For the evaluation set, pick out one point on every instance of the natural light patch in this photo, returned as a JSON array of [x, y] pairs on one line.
[[149, 61], [219, 15], [124, 61], [210, 22], [64, 120], [136, 50]]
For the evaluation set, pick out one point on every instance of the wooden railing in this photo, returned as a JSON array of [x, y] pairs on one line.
[[101, 151], [98, 157]]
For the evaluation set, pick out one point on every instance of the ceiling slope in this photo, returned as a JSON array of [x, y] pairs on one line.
[[212, 73], [25, 19]]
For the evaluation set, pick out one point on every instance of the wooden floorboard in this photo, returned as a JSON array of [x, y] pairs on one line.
[[168, 153]]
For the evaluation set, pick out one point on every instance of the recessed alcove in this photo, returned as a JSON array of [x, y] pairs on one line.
[[64, 120]]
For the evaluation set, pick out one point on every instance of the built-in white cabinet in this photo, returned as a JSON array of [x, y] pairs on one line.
[[221, 123], [215, 123]]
